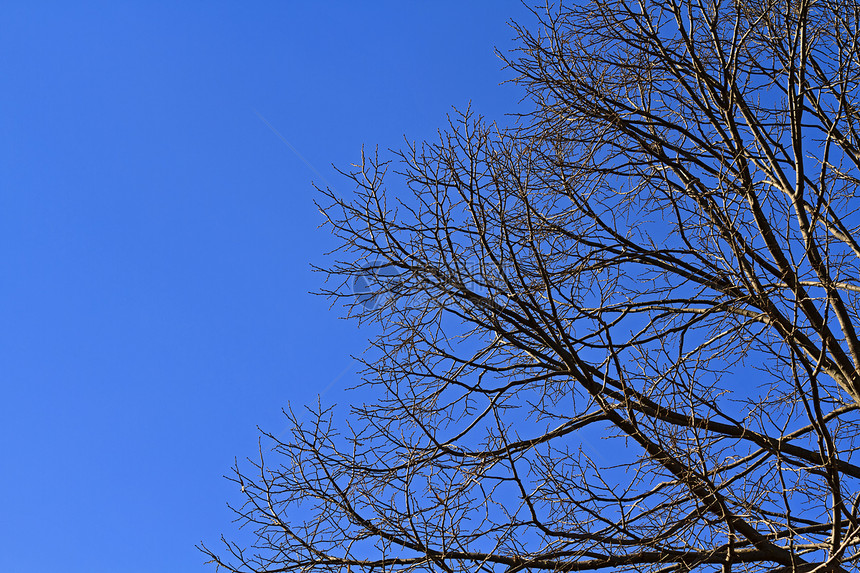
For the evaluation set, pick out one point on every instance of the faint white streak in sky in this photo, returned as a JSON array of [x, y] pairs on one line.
[[294, 150], [331, 187]]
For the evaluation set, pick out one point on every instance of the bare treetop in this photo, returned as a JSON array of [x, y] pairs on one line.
[[620, 335]]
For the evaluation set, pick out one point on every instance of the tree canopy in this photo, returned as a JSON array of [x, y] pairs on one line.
[[618, 334]]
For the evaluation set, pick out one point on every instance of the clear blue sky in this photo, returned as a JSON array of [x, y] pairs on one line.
[[156, 237]]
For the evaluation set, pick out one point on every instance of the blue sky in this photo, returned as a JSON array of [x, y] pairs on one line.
[[156, 240]]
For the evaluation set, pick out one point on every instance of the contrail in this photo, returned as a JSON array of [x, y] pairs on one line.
[[293, 149], [331, 187]]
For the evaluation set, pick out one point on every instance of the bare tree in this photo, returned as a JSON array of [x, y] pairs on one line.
[[620, 335]]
